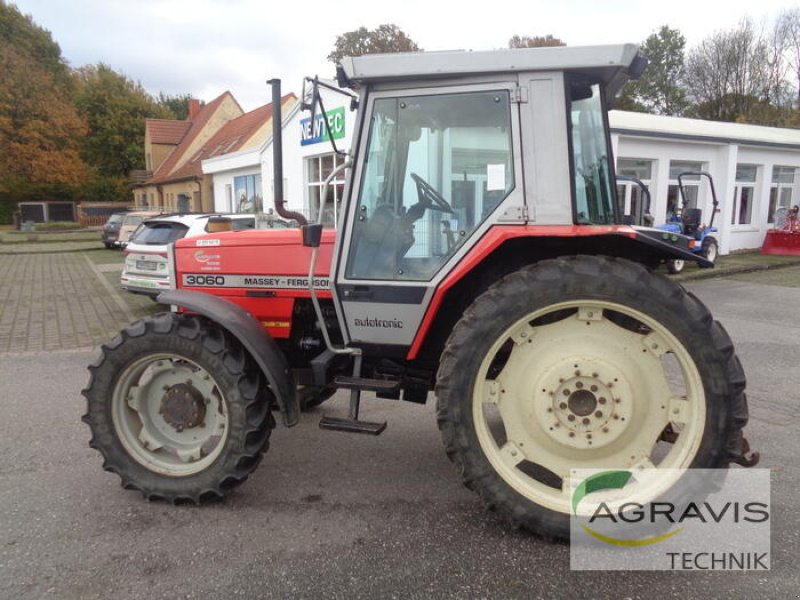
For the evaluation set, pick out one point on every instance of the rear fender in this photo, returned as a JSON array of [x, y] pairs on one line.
[[242, 325]]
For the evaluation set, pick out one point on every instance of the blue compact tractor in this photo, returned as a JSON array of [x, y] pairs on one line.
[[689, 222]]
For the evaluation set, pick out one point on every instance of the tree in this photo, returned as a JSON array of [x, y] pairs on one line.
[[659, 90], [788, 32], [39, 126], [115, 109], [729, 75], [33, 41], [383, 39], [178, 105], [537, 41]]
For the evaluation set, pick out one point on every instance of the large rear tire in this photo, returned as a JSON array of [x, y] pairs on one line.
[[585, 363], [177, 409]]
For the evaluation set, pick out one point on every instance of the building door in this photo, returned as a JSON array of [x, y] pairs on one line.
[[183, 203]]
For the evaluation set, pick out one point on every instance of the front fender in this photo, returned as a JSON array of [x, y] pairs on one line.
[[669, 245], [242, 325]]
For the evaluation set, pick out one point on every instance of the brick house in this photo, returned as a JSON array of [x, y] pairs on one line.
[[174, 179]]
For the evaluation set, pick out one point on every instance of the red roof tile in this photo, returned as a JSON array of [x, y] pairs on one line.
[[231, 137], [164, 131], [165, 170]]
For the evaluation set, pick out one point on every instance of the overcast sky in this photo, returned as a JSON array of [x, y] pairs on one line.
[[205, 47]]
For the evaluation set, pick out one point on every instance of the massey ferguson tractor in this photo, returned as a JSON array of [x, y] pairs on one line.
[[479, 254]]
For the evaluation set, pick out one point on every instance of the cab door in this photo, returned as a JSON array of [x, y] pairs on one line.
[[437, 168]]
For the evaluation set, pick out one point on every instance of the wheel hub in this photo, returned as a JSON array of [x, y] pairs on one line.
[[586, 404], [183, 407]]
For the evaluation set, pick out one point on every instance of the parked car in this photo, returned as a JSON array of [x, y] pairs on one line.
[[145, 270], [130, 222], [110, 233]]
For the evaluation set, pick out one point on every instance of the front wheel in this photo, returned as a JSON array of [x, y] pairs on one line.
[[584, 363], [177, 409]]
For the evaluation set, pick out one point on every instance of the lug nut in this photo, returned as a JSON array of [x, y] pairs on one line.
[[578, 385], [601, 400], [598, 414], [563, 406], [593, 388], [586, 420], [566, 392], [571, 417]]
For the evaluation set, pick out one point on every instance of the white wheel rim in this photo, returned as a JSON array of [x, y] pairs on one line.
[[712, 252], [149, 435], [677, 265], [582, 392]]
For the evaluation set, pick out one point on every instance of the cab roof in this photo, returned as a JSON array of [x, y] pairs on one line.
[[612, 64]]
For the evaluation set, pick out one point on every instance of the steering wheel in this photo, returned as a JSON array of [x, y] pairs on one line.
[[429, 197]]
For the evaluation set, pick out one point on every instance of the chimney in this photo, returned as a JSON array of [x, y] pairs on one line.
[[194, 108]]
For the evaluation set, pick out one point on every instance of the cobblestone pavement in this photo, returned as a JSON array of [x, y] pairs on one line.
[[61, 300]]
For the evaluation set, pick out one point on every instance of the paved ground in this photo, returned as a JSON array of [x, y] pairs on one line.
[[337, 515], [63, 300]]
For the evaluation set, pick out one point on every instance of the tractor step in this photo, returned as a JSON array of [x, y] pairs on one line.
[[366, 385], [352, 425]]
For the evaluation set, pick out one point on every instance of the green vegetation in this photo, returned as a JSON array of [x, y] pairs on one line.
[[66, 134]]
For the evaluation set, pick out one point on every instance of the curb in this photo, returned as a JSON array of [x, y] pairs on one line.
[[714, 273]]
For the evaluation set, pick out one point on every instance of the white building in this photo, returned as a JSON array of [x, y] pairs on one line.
[[308, 159], [755, 169]]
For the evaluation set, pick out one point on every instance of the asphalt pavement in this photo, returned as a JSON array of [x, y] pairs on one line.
[[338, 515]]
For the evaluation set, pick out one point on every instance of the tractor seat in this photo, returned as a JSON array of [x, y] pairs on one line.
[[691, 218]]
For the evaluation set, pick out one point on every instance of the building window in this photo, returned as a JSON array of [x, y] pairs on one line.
[[629, 194], [780, 191], [691, 185], [744, 195], [249, 198], [318, 168]]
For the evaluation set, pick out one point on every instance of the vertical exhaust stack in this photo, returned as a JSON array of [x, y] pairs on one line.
[[277, 156]]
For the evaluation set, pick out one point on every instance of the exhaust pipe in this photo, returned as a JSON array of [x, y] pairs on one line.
[[277, 156]]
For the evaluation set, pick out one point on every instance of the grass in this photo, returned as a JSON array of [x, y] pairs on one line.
[[23, 237], [787, 277], [739, 261]]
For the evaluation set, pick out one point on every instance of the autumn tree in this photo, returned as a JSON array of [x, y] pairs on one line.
[[39, 126], [659, 90], [382, 39], [536, 41]]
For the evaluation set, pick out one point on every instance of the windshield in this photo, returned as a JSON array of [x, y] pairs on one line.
[[114, 220], [154, 234], [594, 195]]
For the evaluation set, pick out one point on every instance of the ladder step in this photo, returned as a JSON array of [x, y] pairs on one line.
[[369, 385], [352, 425]]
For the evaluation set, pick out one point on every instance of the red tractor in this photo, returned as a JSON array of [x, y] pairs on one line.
[[479, 255]]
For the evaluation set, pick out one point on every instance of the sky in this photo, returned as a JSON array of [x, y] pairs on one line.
[[205, 47]]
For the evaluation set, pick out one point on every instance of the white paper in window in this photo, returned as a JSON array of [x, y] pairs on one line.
[[495, 177]]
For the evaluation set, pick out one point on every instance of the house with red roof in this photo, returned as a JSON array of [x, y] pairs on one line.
[[174, 151]]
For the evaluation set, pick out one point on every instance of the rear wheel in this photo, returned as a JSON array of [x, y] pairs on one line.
[[584, 363], [710, 249], [177, 409], [675, 265]]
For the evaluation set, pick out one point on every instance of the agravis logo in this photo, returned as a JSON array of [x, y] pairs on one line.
[[670, 519], [611, 480]]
